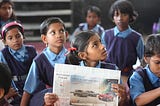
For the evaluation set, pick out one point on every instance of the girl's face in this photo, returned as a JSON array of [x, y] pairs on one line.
[[6, 11], [121, 20], [14, 39], [92, 19], [154, 64], [95, 50], [55, 37]]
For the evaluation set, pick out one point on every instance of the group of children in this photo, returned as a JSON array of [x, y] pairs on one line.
[[30, 78]]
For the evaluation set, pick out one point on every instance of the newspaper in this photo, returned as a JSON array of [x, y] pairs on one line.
[[84, 86]]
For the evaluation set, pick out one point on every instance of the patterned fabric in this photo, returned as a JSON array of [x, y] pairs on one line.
[[20, 57]]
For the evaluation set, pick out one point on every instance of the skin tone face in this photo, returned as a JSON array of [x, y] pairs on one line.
[[92, 19], [6, 11], [94, 52], [55, 37], [1, 92], [121, 20], [14, 39], [154, 64]]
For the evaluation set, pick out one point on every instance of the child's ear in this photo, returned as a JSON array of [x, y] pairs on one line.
[[82, 55], [146, 59], [66, 33], [1, 92], [3, 41], [43, 38]]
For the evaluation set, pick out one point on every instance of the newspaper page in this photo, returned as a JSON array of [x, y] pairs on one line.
[[84, 86]]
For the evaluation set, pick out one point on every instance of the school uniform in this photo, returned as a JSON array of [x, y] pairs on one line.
[[123, 48], [41, 74], [139, 85], [103, 65], [84, 27], [4, 102], [19, 63]]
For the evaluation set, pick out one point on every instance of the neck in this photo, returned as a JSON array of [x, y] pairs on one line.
[[91, 64], [56, 50]]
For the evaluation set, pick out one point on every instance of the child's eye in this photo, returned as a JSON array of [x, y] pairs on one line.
[[18, 36], [95, 45], [53, 33], [157, 62], [62, 31], [9, 38]]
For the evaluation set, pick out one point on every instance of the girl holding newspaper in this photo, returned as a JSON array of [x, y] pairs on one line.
[[87, 50]]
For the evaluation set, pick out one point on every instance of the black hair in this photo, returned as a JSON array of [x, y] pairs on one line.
[[79, 43], [124, 6], [46, 23], [20, 28], [5, 77], [152, 46], [13, 16], [94, 9]]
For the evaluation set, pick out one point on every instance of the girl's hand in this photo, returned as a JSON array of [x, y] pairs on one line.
[[12, 92], [120, 91], [50, 99]]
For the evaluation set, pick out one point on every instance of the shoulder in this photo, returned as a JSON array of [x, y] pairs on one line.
[[100, 27], [108, 65], [39, 57], [30, 47], [109, 30], [136, 33], [82, 24], [137, 75]]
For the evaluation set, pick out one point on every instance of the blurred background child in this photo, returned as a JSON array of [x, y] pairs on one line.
[[93, 20], [124, 45], [6, 13]]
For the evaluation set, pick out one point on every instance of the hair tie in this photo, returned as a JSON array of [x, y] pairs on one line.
[[72, 49]]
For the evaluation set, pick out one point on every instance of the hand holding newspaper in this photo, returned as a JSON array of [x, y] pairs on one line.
[[85, 86]]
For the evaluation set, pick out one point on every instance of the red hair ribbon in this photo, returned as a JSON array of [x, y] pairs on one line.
[[72, 49]]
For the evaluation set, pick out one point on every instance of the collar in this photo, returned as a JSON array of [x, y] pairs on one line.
[[153, 78], [51, 55], [95, 28], [83, 64], [21, 51], [122, 34]]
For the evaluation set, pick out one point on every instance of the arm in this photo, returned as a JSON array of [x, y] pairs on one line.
[[140, 49], [30, 84], [25, 99], [137, 91], [147, 97]]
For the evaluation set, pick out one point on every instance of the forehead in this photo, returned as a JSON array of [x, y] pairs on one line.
[[56, 25], [94, 38], [12, 31], [6, 5], [156, 57], [91, 13]]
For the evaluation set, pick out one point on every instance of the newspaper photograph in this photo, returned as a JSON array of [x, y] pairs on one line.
[[85, 86]]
